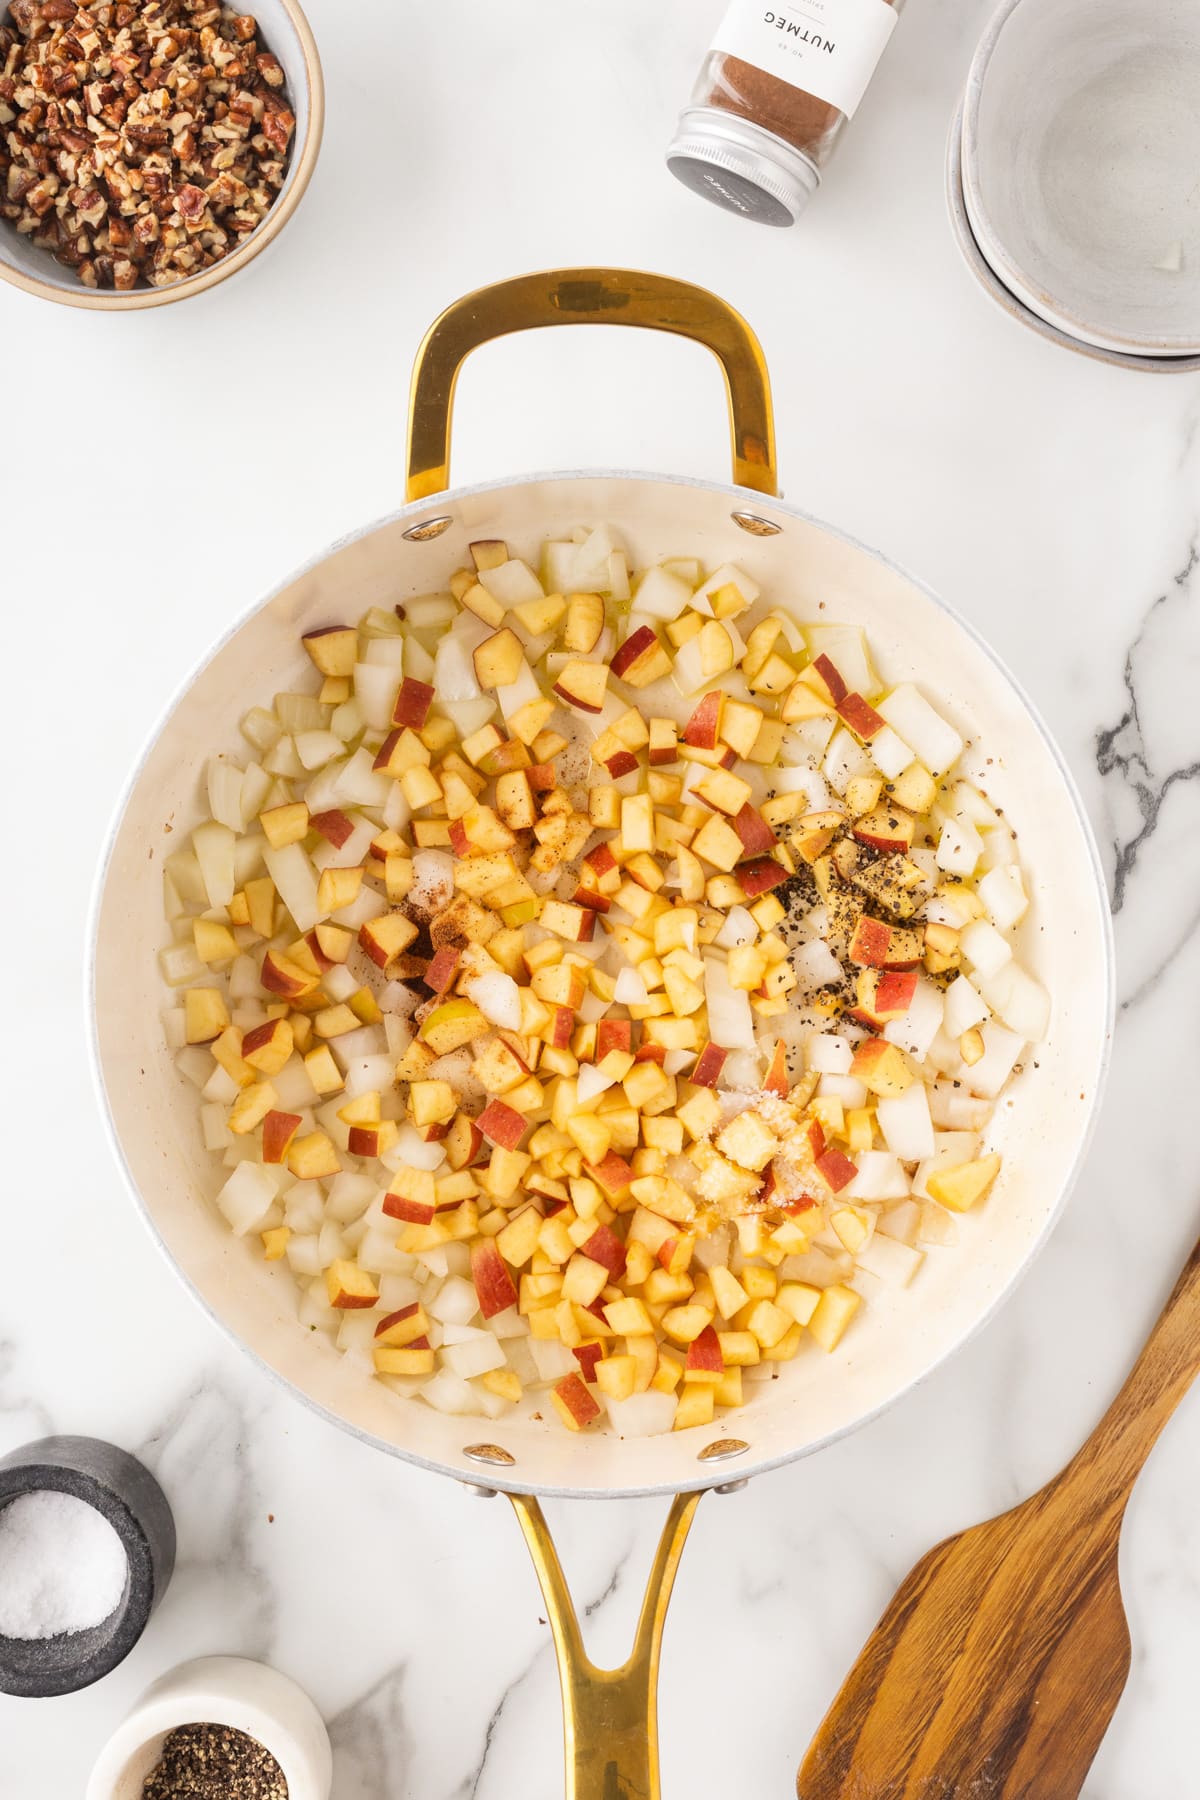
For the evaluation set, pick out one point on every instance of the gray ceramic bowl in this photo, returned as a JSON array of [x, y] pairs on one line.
[[991, 284], [127, 1495]]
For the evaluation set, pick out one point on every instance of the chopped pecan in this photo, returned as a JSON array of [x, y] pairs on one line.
[[140, 140]]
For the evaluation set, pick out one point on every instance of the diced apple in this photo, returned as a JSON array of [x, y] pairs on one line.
[[585, 623], [452, 1025], [883, 1068], [888, 829], [413, 702], [350, 1288], [386, 937], [583, 685], [961, 1187], [493, 1284], [641, 659], [333, 649], [313, 1158], [573, 1403], [205, 1015], [502, 1126], [278, 1130], [284, 825], [499, 659], [703, 729]]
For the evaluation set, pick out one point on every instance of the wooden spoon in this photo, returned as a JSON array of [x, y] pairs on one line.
[[995, 1671]]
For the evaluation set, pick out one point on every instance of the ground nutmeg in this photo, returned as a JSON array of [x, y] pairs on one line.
[[773, 96]]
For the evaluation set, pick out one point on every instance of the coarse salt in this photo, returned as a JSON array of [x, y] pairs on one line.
[[62, 1566]]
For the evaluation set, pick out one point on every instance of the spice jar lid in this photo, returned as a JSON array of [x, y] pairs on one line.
[[737, 165]]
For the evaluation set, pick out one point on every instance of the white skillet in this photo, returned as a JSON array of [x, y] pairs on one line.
[[1042, 1130]]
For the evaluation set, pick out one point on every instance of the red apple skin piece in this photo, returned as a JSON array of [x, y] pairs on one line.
[[637, 645], [613, 1176], [623, 763], [896, 991], [588, 1355], [816, 1138], [702, 730], [655, 1053], [709, 1064], [860, 716], [278, 1130], [795, 1207], [322, 961], [460, 843], [760, 875], [704, 1352], [502, 1125], [433, 1134], [260, 1036], [493, 1283], [562, 1027], [777, 1081], [388, 745], [278, 981], [770, 1181], [550, 1207], [409, 1212], [443, 967], [869, 945], [587, 926], [613, 1034], [601, 860], [832, 678], [333, 826], [837, 1169], [757, 837], [597, 903], [412, 703], [542, 778], [581, 1405], [605, 1247]]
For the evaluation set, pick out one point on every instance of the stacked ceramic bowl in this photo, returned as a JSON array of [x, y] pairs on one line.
[[1073, 175]]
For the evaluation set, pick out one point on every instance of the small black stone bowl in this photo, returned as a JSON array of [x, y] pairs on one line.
[[125, 1494]]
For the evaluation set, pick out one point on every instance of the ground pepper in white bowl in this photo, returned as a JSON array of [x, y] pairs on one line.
[[214, 1762]]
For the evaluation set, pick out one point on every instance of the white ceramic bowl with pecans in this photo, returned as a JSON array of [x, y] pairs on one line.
[[133, 170]]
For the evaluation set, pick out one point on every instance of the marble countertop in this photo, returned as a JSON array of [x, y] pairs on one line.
[[1055, 501]]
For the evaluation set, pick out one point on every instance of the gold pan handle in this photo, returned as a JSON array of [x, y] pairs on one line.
[[610, 1716], [589, 297]]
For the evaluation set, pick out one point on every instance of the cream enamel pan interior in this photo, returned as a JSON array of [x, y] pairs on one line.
[[1042, 1128]]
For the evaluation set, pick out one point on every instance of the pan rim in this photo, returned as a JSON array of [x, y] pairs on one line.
[[722, 1475]]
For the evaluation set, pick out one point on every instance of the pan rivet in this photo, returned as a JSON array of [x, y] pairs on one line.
[[755, 524], [722, 1450], [490, 1453], [432, 528], [480, 1493], [732, 1487]]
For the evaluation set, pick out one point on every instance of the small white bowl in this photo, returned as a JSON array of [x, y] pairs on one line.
[[1081, 167], [219, 1690], [991, 284]]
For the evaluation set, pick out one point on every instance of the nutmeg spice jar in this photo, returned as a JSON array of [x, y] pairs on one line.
[[773, 97]]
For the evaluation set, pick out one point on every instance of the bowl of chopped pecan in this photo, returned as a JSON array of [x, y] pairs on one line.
[[150, 148]]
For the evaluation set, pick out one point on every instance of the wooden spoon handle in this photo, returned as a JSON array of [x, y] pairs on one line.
[[1114, 1456]]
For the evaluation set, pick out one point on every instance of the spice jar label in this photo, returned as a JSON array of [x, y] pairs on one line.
[[829, 48]]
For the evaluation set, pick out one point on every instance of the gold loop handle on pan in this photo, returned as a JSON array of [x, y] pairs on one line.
[[610, 1716], [589, 297]]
